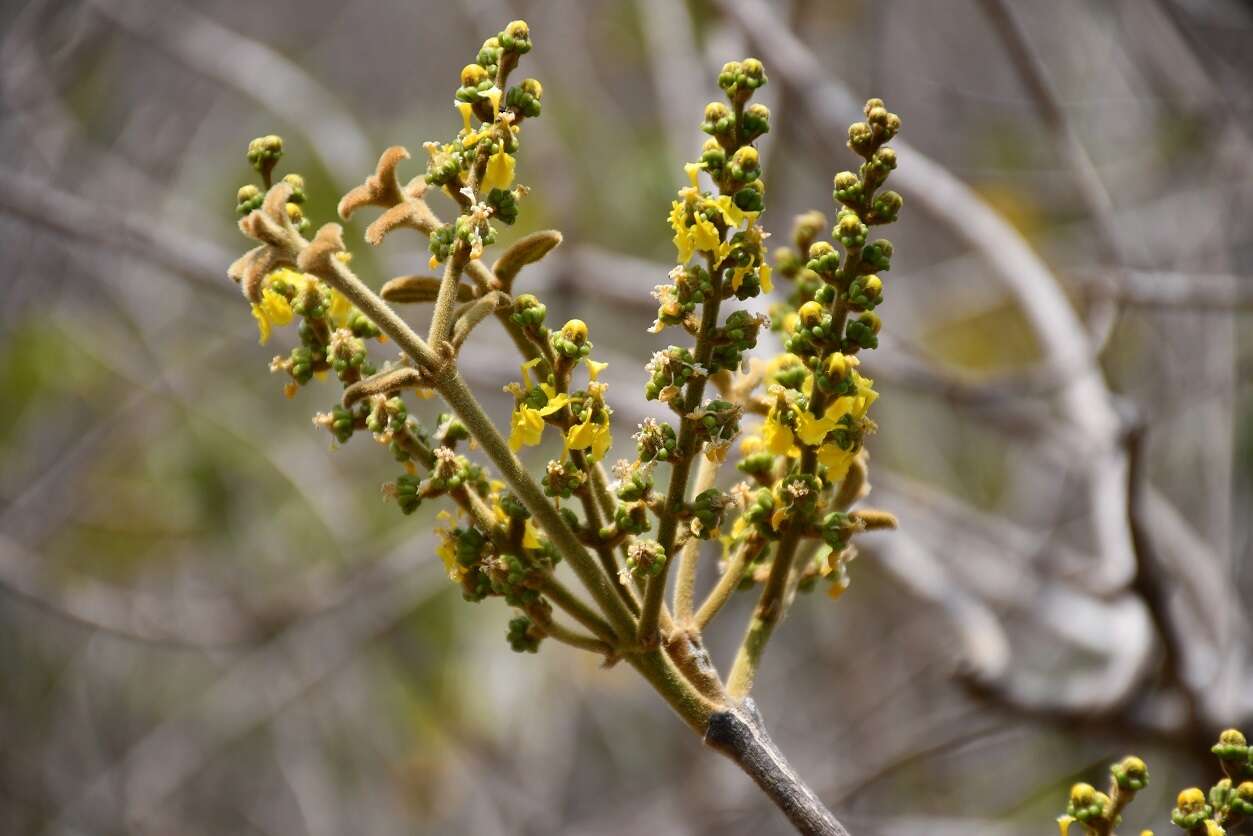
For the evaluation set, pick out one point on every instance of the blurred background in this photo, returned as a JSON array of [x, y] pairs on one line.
[[210, 622]]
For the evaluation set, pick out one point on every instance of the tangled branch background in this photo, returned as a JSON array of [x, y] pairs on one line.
[[211, 621]]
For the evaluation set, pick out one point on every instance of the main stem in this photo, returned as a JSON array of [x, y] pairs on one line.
[[740, 734]]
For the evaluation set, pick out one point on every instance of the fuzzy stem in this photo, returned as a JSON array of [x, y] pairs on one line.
[[686, 449], [558, 593], [689, 558], [766, 616], [728, 583], [441, 319]]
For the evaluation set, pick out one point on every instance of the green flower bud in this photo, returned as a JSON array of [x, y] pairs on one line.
[[655, 442], [1086, 804], [1242, 802], [504, 205], [751, 198], [719, 122], [526, 98], [739, 79], [524, 636], [861, 139], [1232, 747], [646, 558], [1131, 774], [1190, 809], [707, 508], [806, 228], [878, 255], [528, 312], [850, 231], [297, 217], [862, 332], [744, 165], [754, 122], [865, 293], [489, 55], [440, 243], [632, 518], [848, 189], [571, 342], [516, 38], [297, 184], [823, 259], [635, 484], [248, 198], [264, 153]]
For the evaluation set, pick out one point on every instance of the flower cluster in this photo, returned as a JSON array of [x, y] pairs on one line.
[[800, 419], [1228, 803]]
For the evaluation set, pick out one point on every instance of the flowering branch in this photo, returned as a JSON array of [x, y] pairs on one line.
[[803, 467]]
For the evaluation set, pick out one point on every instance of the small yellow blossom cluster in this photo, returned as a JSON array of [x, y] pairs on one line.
[[1227, 805]]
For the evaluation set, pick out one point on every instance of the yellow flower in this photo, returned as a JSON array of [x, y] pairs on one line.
[[1063, 824], [499, 172], [697, 234], [526, 426], [693, 172], [811, 430], [273, 309], [594, 368], [778, 437], [596, 436], [467, 111], [447, 550], [767, 285], [732, 214], [341, 309], [530, 539]]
